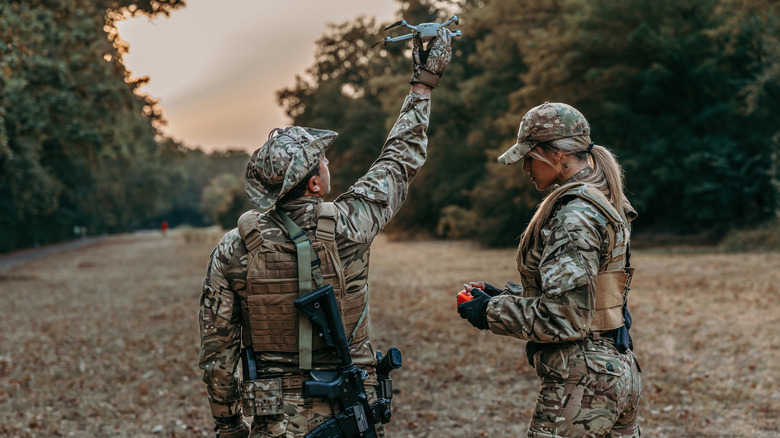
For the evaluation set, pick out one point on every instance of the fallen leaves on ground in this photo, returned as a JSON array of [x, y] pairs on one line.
[[103, 341]]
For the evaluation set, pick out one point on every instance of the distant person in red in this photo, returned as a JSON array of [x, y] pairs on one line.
[[164, 227]]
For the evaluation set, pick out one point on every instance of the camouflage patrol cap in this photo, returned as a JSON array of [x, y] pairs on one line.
[[546, 122], [282, 162]]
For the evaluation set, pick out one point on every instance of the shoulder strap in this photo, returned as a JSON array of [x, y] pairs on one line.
[[326, 221], [308, 268], [597, 199], [247, 227], [326, 231]]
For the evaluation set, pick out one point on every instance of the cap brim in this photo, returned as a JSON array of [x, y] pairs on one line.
[[515, 153]]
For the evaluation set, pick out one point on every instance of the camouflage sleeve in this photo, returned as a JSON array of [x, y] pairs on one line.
[[374, 200], [568, 269], [220, 325]]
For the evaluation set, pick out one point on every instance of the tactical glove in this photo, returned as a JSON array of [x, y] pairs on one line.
[[231, 427], [475, 310], [486, 287], [430, 64], [492, 290]]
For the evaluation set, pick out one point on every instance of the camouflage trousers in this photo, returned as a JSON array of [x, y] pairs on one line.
[[300, 417], [588, 389]]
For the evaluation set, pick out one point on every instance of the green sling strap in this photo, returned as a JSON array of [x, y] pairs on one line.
[[308, 268], [326, 231]]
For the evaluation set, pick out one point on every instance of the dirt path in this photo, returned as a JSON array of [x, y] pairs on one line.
[[18, 257]]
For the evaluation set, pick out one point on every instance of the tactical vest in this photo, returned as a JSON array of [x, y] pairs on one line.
[[614, 277], [269, 317]]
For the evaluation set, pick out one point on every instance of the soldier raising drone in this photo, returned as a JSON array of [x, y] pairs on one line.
[[290, 244]]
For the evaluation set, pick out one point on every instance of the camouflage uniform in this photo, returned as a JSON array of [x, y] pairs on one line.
[[363, 211], [588, 388]]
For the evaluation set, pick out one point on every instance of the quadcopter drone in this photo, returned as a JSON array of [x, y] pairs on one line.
[[426, 31]]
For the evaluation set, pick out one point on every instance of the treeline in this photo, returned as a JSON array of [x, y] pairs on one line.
[[685, 92], [79, 147]]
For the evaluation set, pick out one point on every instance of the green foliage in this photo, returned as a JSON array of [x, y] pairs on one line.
[[665, 86], [194, 181], [685, 92], [77, 145], [224, 200], [236, 203], [348, 75]]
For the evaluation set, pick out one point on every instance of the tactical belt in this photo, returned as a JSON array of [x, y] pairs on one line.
[[294, 381], [532, 347], [289, 382]]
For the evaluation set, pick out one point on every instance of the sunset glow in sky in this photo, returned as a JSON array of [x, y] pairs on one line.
[[216, 65]]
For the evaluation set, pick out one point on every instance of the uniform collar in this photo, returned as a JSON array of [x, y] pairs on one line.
[[582, 174], [302, 211]]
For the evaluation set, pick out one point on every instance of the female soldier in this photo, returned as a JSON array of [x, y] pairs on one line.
[[573, 263]]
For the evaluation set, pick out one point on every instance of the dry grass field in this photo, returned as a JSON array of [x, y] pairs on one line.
[[102, 341]]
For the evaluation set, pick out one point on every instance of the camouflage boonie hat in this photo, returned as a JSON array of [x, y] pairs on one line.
[[282, 162], [546, 122]]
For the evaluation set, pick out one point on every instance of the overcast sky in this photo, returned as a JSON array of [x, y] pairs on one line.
[[215, 65]]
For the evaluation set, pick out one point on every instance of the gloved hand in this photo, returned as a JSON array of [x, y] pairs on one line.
[[486, 287], [492, 290], [475, 310], [430, 64], [231, 427]]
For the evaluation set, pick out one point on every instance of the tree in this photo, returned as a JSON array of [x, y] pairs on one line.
[[671, 86], [343, 93], [682, 91], [77, 145], [366, 86]]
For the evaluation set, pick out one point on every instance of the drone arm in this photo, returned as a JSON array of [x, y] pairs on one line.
[[454, 19], [389, 40]]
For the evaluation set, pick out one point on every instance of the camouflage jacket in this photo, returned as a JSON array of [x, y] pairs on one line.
[[554, 302], [363, 211]]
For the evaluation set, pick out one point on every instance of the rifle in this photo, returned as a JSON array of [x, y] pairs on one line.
[[345, 385]]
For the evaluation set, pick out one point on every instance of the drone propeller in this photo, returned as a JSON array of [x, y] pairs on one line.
[[379, 42], [396, 24]]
